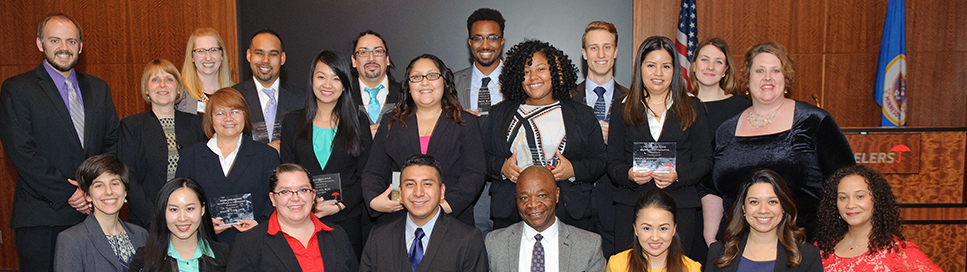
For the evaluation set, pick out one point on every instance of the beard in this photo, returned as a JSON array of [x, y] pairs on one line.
[[487, 63], [59, 67]]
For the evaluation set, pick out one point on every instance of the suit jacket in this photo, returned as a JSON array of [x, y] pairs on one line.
[[38, 137], [693, 155], [295, 149], [579, 250], [578, 93], [395, 89], [257, 250], [462, 80], [250, 174], [205, 263], [188, 104], [289, 100], [811, 260], [84, 247], [457, 147], [453, 246], [143, 147], [585, 149]]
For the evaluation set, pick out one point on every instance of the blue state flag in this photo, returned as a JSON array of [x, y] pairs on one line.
[[891, 87]]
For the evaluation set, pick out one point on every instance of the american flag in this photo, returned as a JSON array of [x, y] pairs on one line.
[[686, 38]]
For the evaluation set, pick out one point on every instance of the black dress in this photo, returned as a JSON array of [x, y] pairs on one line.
[[718, 112], [804, 156]]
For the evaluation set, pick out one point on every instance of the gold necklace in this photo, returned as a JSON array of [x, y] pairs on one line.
[[766, 119]]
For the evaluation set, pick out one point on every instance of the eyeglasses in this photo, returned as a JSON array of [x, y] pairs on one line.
[[490, 39], [300, 192], [430, 76], [223, 113], [378, 52], [202, 51]]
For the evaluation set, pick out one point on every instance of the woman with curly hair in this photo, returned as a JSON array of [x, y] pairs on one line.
[[657, 246], [657, 109], [539, 124], [860, 226], [761, 232]]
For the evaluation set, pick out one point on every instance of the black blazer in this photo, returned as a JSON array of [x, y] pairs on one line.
[[578, 93], [693, 155], [457, 147], [811, 260], [38, 137], [299, 150], [143, 147], [585, 149], [257, 250], [289, 100], [395, 89], [205, 263], [250, 174], [453, 246]]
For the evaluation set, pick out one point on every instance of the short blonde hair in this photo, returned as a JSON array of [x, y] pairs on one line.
[[161, 65]]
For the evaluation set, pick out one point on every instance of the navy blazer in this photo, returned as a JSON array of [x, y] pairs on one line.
[[457, 147], [250, 173], [811, 261], [453, 246], [289, 100], [395, 89], [84, 247], [143, 147], [38, 137], [257, 250], [585, 150]]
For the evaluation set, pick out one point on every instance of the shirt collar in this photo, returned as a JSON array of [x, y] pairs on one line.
[[213, 144], [590, 85], [201, 249], [385, 83], [427, 228], [275, 227], [549, 234], [58, 78], [477, 74], [274, 86]]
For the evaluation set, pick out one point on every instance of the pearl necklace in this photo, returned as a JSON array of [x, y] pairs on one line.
[[761, 120]]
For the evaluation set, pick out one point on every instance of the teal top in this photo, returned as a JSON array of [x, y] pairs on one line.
[[322, 144], [191, 264]]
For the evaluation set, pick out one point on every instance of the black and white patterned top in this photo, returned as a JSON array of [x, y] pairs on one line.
[[122, 247], [168, 124]]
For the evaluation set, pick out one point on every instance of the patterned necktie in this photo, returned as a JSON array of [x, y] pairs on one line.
[[483, 97], [270, 112], [600, 108], [416, 251], [76, 110], [374, 107], [537, 258]]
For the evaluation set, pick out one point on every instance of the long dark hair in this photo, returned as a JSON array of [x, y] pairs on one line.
[[790, 236], [673, 260], [406, 105], [563, 72], [159, 237], [887, 228], [345, 111], [681, 104]]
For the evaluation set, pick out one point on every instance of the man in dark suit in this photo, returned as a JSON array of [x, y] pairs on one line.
[[599, 46], [51, 119], [426, 239], [270, 99], [377, 91]]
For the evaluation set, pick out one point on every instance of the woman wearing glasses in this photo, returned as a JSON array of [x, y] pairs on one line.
[[230, 163], [205, 69], [429, 120]]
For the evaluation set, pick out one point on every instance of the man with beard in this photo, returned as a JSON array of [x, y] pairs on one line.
[[270, 99], [486, 40], [375, 92], [51, 120]]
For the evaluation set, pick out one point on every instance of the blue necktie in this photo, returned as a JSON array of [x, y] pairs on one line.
[[269, 114], [416, 251], [374, 107], [600, 108], [537, 258]]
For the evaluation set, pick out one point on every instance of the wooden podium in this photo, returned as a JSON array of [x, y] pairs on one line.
[[925, 168]]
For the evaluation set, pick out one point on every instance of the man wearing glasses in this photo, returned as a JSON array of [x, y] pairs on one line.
[[374, 92], [270, 99]]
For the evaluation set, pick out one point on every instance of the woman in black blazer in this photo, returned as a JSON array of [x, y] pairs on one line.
[[230, 163], [539, 124], [428, 120], [150, 141], [329, 136], [657, 109]]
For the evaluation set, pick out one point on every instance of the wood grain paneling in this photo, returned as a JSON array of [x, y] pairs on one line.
[[945, 245], [933, 214], [844, 96], [939, 79], [847, 18]]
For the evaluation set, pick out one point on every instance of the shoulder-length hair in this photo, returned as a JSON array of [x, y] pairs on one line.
[[225, 97], [563, 72], [345, 112], [635, 99], [727, 83], [788, 66], [159, 237], [673, 260], [190, 75], [161, 65], [790, 236], [407, 106], [886, 213]]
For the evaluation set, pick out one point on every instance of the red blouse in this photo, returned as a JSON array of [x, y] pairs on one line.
[[909, 258], [310, 258]]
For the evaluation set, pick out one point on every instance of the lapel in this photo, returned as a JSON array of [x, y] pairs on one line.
[[100, 242], [399, 254], [242, 159], [436, 242], [440, 131], [564, 247], [578, 93], [251, 94], [671, 130], [211, 168], [782, 256], [280, 247], [47, 83], [90, 116], [513, 245]]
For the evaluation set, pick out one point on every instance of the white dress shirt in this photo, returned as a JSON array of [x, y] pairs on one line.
[[264, 98], [226, 161], [655, 123], [476, 80], [549, 242], [381, 95]]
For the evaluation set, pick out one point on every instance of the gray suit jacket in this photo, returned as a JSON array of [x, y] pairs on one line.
[[462, 80], [579, 250], [84, 247]]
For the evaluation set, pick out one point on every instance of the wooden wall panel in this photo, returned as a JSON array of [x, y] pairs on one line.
[[849, 104], [945, 245], [940, 79]]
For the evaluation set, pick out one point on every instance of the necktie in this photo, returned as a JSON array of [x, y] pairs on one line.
[[416, 251], [374, 107], [269, 114], [76, 110], [537, 258], [600, 108], [483, 97]]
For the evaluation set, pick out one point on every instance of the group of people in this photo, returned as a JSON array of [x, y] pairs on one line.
[[506, 165]]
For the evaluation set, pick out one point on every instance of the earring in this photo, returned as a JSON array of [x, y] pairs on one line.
[[746, 92], [785, 91]]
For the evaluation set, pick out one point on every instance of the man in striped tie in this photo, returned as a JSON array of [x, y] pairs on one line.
[[268, 97]]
